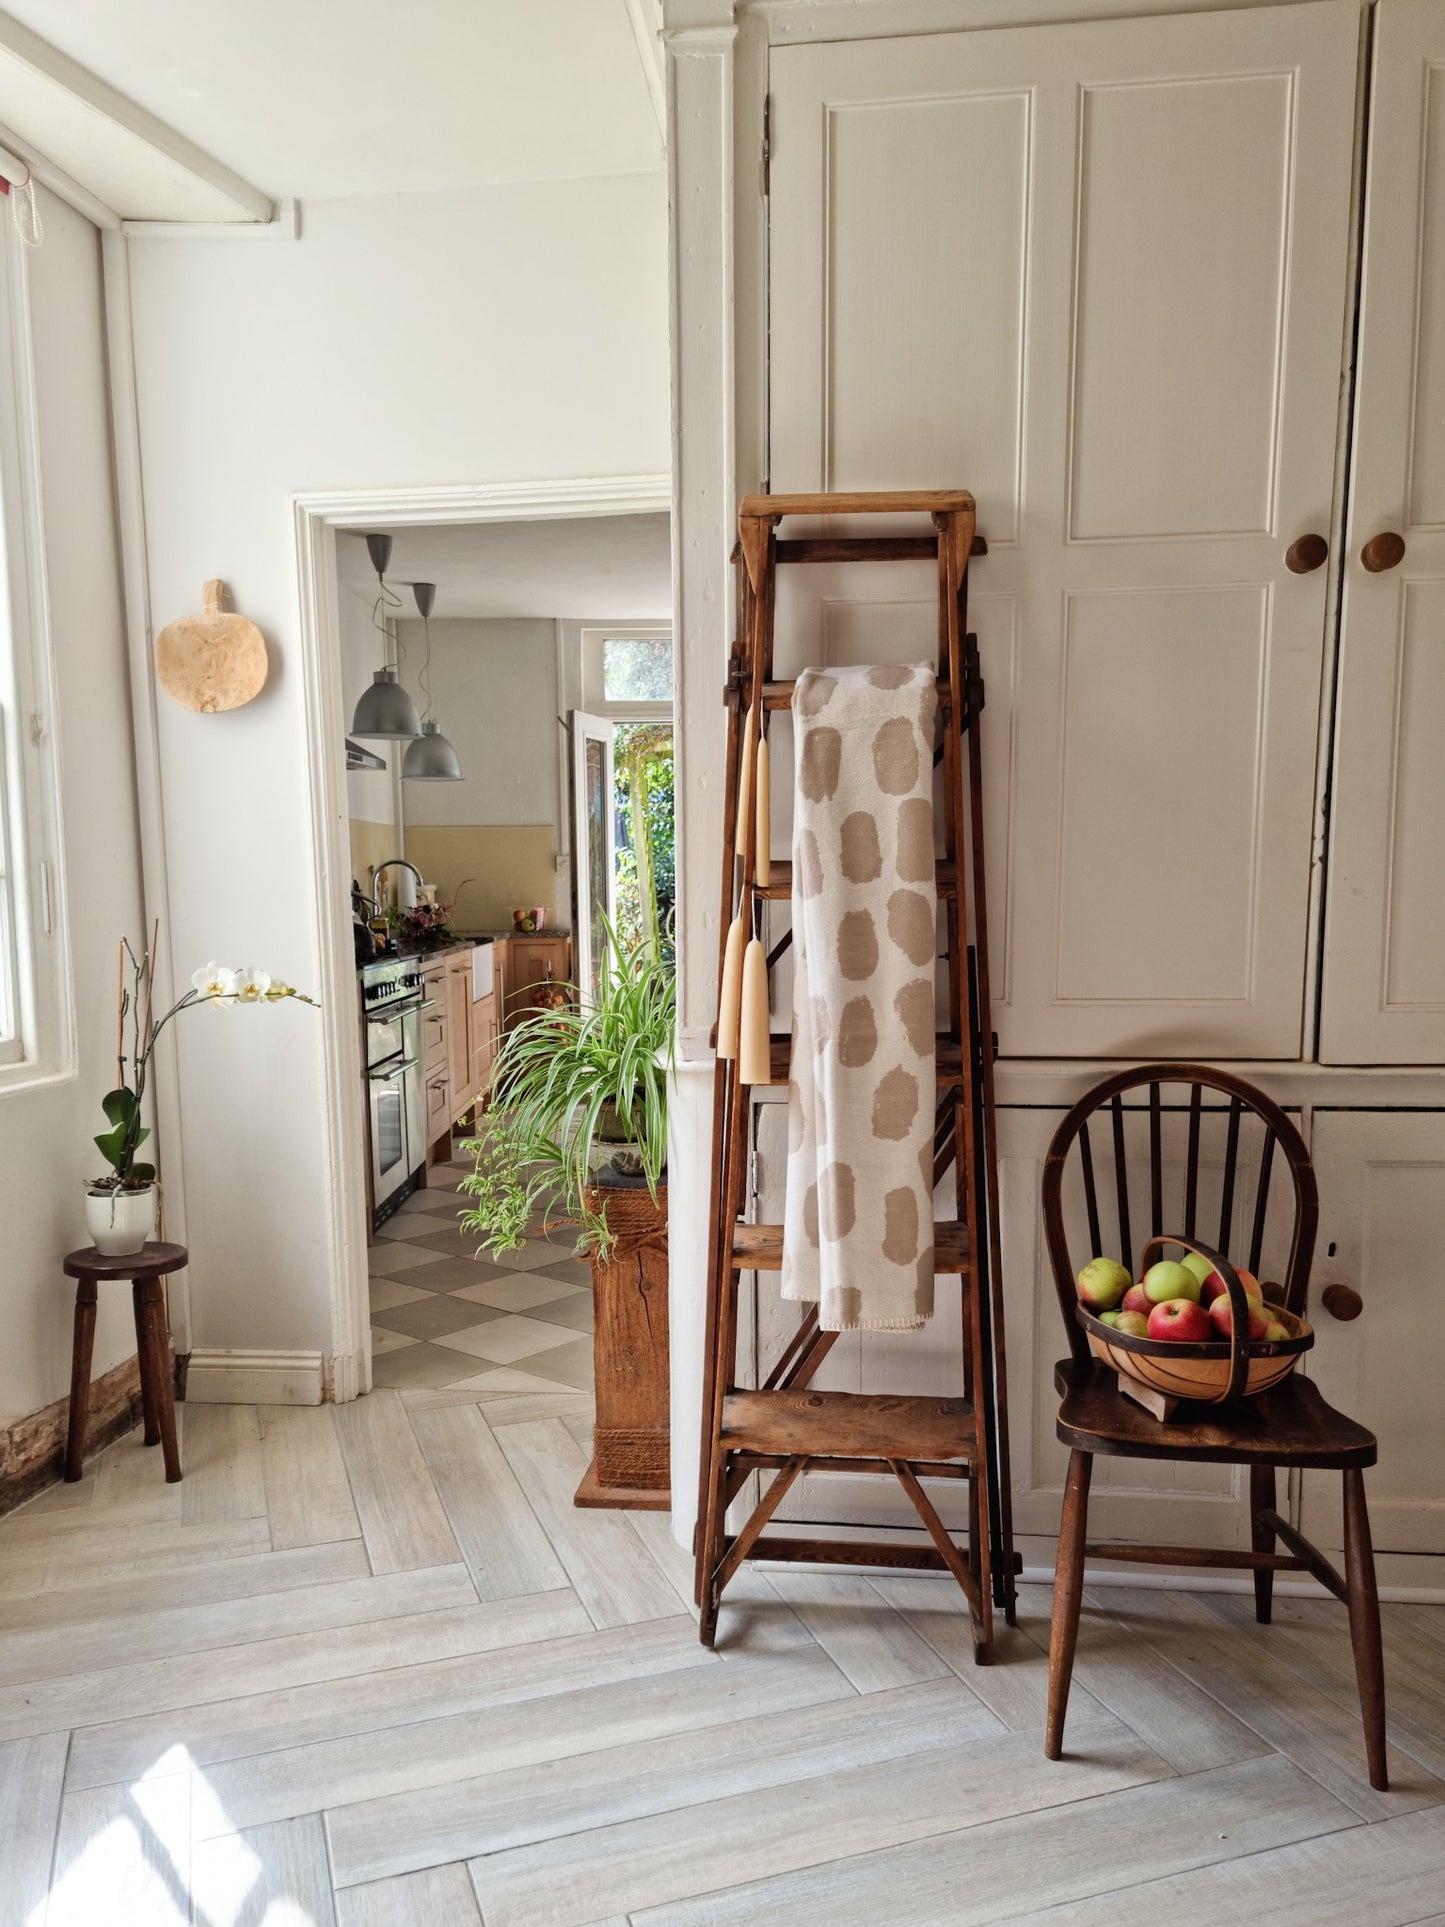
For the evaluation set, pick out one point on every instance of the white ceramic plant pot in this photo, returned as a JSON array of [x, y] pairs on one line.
[[119, 1222]]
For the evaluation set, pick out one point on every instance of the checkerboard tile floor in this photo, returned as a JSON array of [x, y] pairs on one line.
[[515, 1321]]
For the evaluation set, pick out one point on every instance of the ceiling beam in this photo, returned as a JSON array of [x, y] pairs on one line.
[[24, 48]]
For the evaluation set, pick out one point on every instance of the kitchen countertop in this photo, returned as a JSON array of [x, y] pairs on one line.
[[468, 941]]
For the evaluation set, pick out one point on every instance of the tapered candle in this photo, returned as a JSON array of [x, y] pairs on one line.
[[754, 1054], [745, 788], [764, 861], [729, 1002]]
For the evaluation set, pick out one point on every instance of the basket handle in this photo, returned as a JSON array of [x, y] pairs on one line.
[[1239, 1303]]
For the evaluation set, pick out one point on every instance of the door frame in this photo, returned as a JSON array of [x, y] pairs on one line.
[[580, 735], [316, 518]]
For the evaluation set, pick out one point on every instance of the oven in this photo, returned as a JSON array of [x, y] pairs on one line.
[[392, 1002]]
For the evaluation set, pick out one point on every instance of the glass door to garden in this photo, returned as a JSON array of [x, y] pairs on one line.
[[593, 842]]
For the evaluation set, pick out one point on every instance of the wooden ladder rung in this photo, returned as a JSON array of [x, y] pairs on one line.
[[759, 1247], [821, 1425], [848, 1552], [779, 695], [779, 887], [934, 501], [948, 1055]]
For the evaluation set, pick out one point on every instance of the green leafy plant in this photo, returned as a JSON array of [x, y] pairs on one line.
[[212, 984], [573, 1088]]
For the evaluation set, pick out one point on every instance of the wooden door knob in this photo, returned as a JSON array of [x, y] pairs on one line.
[[1306, 555], [1384, 551], [1342, 1302]]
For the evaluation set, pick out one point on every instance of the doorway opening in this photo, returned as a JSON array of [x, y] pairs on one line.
[[496, 846]]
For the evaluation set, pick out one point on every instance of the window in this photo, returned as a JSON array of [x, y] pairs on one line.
[[637, 669], [36, 1028]]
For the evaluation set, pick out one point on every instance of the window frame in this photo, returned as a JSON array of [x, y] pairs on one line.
[[34, 947], [593, 636]]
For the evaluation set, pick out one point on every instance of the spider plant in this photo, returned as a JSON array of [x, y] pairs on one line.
[[572, 1088]]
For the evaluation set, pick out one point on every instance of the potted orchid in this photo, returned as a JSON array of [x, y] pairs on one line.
[[120, 1208]]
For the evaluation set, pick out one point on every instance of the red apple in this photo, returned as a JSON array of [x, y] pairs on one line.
[[1102, 1283], [1221, 1316], [1182, 1319], [1137, 1299], [1213, 1287], [1167, 1280], [1133, 1322]]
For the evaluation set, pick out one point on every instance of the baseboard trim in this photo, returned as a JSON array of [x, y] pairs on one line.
[[255, 1378], [32, 1451]]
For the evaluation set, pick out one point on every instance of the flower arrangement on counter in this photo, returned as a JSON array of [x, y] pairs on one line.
[[427, 925]]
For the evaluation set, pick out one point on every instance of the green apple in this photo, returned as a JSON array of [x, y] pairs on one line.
[[1133, 1322], [1274, 1331], [1198, 1264], [1110, 1317], [1167, 1280], [1102, 1283]]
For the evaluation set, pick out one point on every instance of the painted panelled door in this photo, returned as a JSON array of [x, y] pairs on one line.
[[1096, 274], [1384, 970], [1382, 1183]]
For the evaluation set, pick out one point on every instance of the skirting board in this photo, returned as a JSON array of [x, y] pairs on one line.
[[32, 1451], [255, 1378]]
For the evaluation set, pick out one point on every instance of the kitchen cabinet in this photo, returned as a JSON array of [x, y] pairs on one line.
[[1382, 1213], [1384, 962], [1095, 273], [459, 1028], [483, 1044], [532, 961]]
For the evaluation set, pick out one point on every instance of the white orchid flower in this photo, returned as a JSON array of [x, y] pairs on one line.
[[251, 985], [215, 981]]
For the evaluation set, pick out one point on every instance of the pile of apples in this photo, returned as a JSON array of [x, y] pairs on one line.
[[1186, 1302]]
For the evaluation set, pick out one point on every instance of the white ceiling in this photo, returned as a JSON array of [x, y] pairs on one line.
[[327, 101], [616, 568]]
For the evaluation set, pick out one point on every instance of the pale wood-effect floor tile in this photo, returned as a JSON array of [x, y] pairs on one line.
[[419, 1669], [308, 1495], [612, 1572], [124, 1856], [694, 1850], [221, 1464], [615, 1752], [870, 1642], [265, 1874], [1382, 1875], [402, 1519], [505, 1548], [441, 1897], [1001, 1868], [32, 1776]]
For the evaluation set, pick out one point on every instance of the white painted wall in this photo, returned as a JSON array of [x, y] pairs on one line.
[[489, 334], [494, 692], [45, 1133]]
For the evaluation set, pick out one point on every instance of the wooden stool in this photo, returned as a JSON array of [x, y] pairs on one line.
[[145, 1269]]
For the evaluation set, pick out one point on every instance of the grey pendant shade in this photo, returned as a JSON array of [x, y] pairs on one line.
[[385, 710], [431, 758]]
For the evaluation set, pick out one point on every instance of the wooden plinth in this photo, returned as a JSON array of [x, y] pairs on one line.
[[630, 1440]]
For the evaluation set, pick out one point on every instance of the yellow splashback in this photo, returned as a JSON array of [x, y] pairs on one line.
[[510, 867]]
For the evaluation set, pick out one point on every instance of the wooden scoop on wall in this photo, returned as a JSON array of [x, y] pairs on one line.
[[212, 661]]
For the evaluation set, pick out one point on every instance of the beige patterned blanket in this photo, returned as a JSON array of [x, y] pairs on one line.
[[858, 1222]]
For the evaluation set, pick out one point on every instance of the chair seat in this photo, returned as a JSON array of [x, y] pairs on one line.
[[1288, 1425]]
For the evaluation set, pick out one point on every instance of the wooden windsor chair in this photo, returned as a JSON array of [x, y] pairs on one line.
[[1290, 1425]]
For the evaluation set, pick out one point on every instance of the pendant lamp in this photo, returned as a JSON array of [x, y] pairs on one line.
[[431, 758], [385, 709]]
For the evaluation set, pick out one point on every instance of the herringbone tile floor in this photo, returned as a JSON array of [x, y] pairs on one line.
[[367, 1665]]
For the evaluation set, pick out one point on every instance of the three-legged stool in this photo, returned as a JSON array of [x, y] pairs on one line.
[[145, 1269]]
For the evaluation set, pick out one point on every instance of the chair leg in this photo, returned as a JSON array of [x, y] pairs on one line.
[[1262, 1499], [1364, 1604], [1068, 1592], [80, 1356]]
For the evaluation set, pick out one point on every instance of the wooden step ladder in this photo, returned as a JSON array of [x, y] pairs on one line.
[[784, 1427]]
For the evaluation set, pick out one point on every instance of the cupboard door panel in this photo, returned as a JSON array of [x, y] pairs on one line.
[[1384, 965], [1095, 273], [1382, 1214]]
